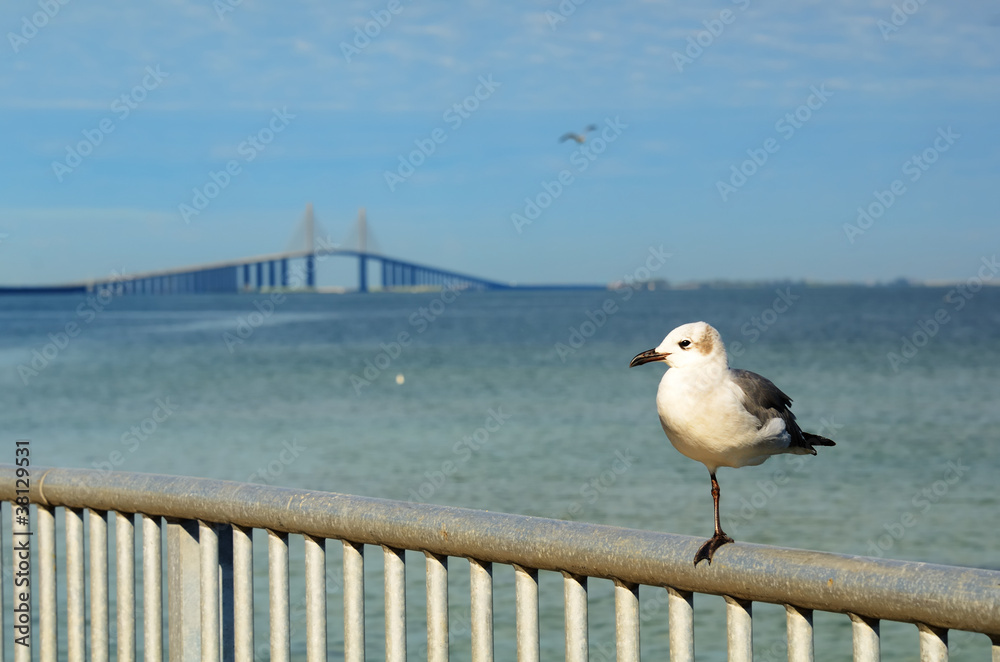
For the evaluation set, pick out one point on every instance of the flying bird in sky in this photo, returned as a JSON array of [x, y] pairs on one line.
[[719, 416], [578, 137]]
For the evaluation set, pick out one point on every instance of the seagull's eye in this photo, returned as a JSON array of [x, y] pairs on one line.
[[684, 344]]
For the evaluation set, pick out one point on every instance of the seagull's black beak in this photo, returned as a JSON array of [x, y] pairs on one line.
[[649, 356]]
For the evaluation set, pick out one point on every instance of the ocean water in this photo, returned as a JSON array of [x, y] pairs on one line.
[[373, 394]]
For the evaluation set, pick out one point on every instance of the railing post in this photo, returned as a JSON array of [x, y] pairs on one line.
[[437, 608], [183, 590], [681, 624], [48, 650], [481, 582], [76, 634], [739, 628], [242, 593], [526, 595], [315, 562], [395, 604], [208, 544], [99, 640], [152, 589], [933, 644], [125, 585], [800, 634], [627, 622], [354, 602], [866, 639], [577, 633], [277, 572]]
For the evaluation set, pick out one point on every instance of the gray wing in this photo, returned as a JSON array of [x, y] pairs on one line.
[[766, 401]]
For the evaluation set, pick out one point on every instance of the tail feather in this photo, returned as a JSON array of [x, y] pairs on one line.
[[816, 440]]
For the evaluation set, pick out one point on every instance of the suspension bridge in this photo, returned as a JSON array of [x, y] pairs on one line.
[[290, 270]]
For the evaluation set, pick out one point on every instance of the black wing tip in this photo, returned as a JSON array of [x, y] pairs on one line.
[[816, 440]]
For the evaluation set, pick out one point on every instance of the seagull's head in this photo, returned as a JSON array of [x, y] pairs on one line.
[[691, 344]]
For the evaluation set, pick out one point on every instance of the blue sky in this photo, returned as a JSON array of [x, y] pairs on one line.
[[823, 105]]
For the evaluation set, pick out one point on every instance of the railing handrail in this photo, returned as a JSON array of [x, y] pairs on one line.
[[939, 596]]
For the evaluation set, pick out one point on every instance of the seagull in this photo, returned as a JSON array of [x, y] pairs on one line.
[[719, 416], [578, 137]]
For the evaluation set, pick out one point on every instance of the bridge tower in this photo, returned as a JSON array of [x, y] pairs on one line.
[[362, 251], [310, 230]]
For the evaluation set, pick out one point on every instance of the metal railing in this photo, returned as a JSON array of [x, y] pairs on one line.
[[208, 576]]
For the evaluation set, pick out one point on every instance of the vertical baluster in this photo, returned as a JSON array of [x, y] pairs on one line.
[[354, 602], [125, 593], [315, 562], [152, 589], [99, 648], [866, 639], [933, 644], [437, 608], [48, 628], [800, 634], [681, 624], [208, 545], [277, 571], [577, 635], [243, 635], [739, 629], [526, 595], [627, 622], [395, 604], [481, 582]]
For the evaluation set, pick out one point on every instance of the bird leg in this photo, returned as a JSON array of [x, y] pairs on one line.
[[707, 550]]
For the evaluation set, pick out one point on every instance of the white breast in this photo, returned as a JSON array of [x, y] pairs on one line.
[[702, 415]]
